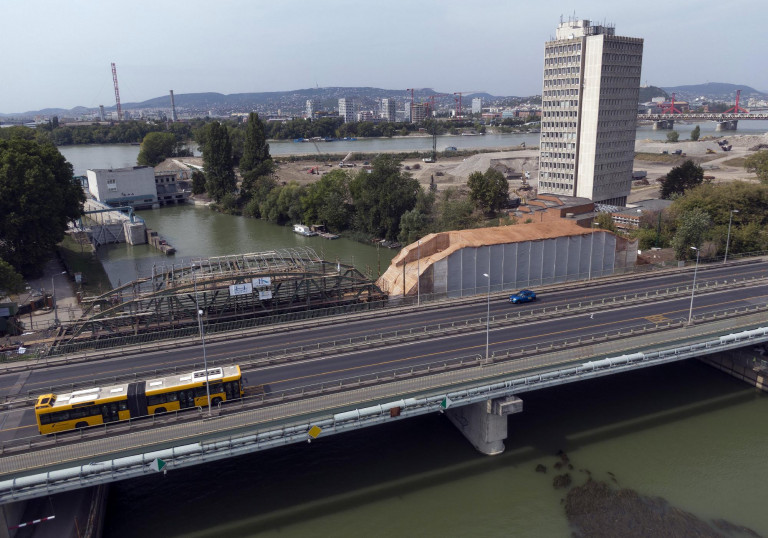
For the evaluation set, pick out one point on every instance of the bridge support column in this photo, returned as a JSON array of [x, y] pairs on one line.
[[727, 125], [484, 424], [744, 364], [663, 124]]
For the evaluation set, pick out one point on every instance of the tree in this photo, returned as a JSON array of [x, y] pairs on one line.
[[38, 197], [681, 178], [10, 280], [758, 163], [691, 231], [256, 155], [328, 201], [155, 148], [198, 182], [673, 136], [605, 222], [696, 133], [217, 162], [488, 190]]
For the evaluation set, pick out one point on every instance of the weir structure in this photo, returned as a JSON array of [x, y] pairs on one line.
[[232, 291]]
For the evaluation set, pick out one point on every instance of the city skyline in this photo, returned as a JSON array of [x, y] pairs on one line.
[[244, 47]]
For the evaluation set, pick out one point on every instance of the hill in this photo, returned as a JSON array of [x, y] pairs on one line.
[[719, 91]]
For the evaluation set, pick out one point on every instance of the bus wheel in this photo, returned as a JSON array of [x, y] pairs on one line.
[[81, 425], [216, 401], [159, 410]]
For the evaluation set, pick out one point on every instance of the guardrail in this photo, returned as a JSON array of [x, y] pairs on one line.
[[524, 357], [268, 436], [255, 360]]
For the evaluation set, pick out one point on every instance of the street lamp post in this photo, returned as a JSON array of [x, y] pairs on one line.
[[728, 240], [488, 316], [693, 288], [418, 274], [202, 337], [591, 246], [53, 297]]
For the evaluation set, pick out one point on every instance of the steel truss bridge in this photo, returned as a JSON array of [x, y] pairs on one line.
[[705, 116], [270, 283]]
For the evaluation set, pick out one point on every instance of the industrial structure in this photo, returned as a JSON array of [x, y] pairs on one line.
[[174, 117], [467, 262], [589, 112], [117, 93], [237, 288], [134, 186]]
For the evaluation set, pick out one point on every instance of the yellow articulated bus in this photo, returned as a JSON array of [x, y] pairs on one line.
[[99, 405]]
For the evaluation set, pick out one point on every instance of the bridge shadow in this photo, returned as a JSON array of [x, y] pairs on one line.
[[300, 483]]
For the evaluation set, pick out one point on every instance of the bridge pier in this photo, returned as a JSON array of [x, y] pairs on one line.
[[727, 125], [663, 124], [484, 424], [744, 364]]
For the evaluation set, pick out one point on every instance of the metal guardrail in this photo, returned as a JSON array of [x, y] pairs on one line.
[[254, 360], [267, 436], [522, 357]]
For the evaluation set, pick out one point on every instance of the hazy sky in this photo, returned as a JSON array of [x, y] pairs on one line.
[[57, 53]]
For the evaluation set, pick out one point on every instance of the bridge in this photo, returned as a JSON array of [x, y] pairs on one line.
[[470, 358], [725, 121]]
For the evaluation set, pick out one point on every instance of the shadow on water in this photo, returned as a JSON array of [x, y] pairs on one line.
[[298, 483]]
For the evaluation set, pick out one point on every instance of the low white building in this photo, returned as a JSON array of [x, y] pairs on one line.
[[124, 186]]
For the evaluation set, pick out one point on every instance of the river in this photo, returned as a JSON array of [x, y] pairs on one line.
[[685, 432]]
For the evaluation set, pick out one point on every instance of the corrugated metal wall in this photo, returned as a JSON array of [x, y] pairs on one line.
[[526, 264]]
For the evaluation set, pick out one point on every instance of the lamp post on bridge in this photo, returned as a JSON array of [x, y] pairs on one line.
[[728, 239], [202, 337], [488, 316], [693, 288]]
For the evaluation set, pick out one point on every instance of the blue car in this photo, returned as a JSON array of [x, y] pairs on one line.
[[522, 296]]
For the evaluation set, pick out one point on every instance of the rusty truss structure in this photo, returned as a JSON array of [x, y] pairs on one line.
[[222, 289]]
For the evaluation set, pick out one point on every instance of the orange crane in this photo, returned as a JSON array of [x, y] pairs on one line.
[[670, 108]]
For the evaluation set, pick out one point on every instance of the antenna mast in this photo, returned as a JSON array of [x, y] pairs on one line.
[[117, 93]]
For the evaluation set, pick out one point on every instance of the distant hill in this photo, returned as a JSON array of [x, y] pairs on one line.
[[288, 101], [649, 92], [721, 91]]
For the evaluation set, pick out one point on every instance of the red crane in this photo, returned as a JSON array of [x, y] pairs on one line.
[[736, 109], [670, 108], [458, 101], [117, 93], [432, 100]]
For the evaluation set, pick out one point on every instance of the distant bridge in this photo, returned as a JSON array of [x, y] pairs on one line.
[[705, 116]]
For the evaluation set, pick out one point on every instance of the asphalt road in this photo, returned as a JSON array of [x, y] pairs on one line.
[[20, 423]]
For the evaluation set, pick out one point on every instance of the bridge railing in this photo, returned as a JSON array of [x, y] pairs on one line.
[[522, 358]]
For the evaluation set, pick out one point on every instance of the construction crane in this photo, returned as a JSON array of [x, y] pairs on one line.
[[736, 109], [117, 93], [432, 100], [670, 108], [458, 101]]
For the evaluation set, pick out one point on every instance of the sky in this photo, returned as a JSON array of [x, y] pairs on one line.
[[57, 54]]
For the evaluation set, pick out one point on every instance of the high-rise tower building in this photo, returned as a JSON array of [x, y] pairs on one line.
[[310, 109], [589, 112], [477, 105], [388, 109], [346, 110]]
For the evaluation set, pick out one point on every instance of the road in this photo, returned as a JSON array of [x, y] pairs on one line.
[[20, 422]]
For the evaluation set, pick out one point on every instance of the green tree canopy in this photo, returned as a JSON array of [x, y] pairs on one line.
[[758, 163], [695, 133], [10, 280], [328, 201], [256, 155], [673, 136], [692, 229], [38, 197], [488, 190], [155, 148], [198, 182], [382, 196], [217, 162], [682, 178]]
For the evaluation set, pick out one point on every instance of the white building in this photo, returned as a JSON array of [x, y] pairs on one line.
[[124, 186], [589, 112], [477, 105], [310, 110], [346, 110], [388, 109]]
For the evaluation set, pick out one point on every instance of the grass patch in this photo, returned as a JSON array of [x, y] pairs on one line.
[[81, 258], [658, 157], [737, 162]]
